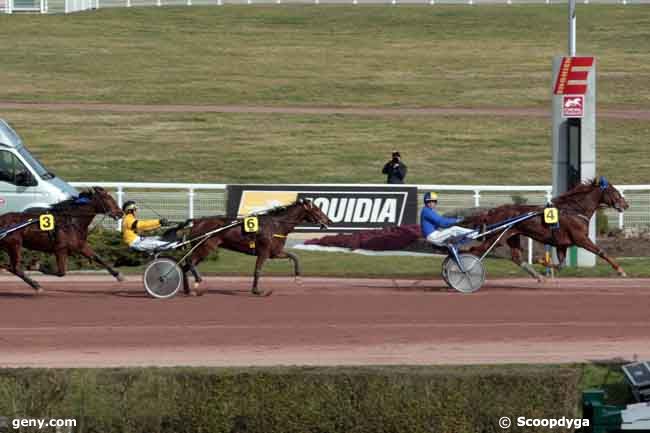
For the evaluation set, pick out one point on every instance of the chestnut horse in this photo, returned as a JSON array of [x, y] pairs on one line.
[[576, 207], [268, 243], [69, 236]]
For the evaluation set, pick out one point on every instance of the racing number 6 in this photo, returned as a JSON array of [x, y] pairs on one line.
[[251, 225]]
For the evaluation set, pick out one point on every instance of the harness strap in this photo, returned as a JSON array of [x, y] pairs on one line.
[[275, 235]]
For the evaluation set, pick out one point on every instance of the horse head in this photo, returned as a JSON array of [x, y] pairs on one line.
[[314, 214], [610, 197], [103, 202]]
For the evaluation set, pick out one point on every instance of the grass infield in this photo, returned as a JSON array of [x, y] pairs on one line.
[[272, 148], [371, 55]]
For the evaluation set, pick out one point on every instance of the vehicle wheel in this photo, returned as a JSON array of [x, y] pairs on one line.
[[163, 278], [444, 269], [468, 281]]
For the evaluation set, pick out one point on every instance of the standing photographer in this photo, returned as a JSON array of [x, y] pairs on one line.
[[395, 169]]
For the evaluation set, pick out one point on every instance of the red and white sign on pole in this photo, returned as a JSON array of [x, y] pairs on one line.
[[571, 83], [573, 106], [573, 75]]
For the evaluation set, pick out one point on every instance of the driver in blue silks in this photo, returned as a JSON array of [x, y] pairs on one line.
[[436, 228]]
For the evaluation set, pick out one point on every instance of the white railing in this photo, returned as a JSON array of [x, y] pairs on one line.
[[175, 201], [11, 6], [178, 201], [188, 200], [68, 6], [80, 5]]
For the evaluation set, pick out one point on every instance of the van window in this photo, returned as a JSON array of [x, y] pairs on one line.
[[10, 166], [35, 164]]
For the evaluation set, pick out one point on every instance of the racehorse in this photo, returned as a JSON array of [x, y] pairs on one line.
[[576, 207], [69, 235], [268, 243]]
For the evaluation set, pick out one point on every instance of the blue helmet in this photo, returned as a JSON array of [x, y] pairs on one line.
[[603, 183], [430, 196]]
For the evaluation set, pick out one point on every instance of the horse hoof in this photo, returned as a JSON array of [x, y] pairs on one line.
[[191, 293], [262, 293], [119, 277], [622, 274], [196, 285], [298, 281], [39, 290]]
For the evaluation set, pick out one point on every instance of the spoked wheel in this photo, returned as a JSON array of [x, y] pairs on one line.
[[163, 278], [466, 282], [444, 269]]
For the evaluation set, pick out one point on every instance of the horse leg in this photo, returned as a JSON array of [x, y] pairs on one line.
[[61, 263], [561, 255], [186, 283], [261, 258], [197, 257], [88, 252], [296, 263], [198, 278], [14, 252], [588, 245], [189, 267], [516, 253]]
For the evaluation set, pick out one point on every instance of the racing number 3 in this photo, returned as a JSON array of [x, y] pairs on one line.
[[251, 225], [46, 222]]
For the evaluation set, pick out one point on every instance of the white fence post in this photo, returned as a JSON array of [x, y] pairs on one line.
[[530, 251], [120, 202], [477, 198], [621, 215], [190, 203]]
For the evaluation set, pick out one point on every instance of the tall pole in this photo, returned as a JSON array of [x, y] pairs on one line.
[[572, 28]]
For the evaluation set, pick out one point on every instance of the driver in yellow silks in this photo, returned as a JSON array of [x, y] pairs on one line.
[[132, 227]]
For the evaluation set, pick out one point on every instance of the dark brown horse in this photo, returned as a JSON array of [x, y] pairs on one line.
[[576, 207], [69, 236], [268, 243]]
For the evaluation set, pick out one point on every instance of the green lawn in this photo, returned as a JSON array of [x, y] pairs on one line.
[[272, 148], [321, 55], [356, 265]]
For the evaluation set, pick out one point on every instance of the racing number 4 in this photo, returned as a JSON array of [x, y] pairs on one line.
[[551, 215]]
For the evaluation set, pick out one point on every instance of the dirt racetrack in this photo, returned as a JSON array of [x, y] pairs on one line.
[[95, 321]]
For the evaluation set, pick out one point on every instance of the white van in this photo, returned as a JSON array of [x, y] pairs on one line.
[[24, 182]]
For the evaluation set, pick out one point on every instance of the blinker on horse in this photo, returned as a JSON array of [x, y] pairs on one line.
[[70, 235]]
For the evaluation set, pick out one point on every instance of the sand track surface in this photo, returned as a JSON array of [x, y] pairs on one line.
[[97, 321]]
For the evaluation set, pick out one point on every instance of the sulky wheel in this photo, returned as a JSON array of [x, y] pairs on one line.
[[444, 268], [163, 278], [468, 281]]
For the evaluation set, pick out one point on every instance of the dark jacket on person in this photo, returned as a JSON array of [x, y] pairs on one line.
[[395, 171]]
